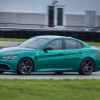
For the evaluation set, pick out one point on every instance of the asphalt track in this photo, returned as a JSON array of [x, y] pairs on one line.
[[50, 76]]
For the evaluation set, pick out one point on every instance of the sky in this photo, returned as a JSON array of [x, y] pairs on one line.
[[39, 6]]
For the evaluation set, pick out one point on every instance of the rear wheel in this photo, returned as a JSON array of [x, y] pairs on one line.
[[25, 66], [1, 72], [87, 67]]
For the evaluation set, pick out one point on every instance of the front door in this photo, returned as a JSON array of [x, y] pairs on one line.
[[52, 59]]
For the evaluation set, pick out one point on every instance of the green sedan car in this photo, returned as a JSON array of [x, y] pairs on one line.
[[50, 53]]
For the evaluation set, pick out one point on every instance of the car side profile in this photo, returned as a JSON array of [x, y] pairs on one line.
[[50, 53]]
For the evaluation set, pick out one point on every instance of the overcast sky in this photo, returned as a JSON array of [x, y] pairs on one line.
[[39, 6]]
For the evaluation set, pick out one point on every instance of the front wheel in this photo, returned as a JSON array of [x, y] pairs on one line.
[[59, 73], [87, 67], [24, 66]]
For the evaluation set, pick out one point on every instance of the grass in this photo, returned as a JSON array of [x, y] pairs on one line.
[[49, 89], [6, 41], [94, 43], [12, 39]]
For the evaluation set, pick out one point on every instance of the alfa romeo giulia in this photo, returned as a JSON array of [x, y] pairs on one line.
[[50, 53]]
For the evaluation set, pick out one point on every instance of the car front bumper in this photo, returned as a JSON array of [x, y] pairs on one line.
[[8, 65]]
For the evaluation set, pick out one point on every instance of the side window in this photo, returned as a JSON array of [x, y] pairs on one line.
[[73, 44], [56, 44]]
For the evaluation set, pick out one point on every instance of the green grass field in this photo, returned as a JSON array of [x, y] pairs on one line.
[[5, 41], [12, 39], [94, 43], [49, 89]]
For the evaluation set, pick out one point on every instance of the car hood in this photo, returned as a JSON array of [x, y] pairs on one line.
[[14, 50]]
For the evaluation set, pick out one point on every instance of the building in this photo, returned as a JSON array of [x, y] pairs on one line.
[[89, 21]]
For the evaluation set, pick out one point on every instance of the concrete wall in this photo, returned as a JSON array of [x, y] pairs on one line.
[[75, 20], [98, 20], [24, 20]]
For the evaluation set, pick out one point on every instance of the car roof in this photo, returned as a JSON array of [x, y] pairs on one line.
[[51, 36]]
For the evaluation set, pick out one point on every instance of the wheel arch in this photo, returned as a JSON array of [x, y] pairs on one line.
[[33, 61], [91, 58]]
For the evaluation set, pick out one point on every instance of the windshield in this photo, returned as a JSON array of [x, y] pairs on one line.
[[35, 43]]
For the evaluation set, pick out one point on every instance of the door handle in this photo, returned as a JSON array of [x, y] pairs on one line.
[[80, 52]]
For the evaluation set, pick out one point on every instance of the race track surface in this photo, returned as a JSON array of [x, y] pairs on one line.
[[48, 76]]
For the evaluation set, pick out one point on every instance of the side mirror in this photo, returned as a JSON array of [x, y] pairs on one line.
[[48, 48]]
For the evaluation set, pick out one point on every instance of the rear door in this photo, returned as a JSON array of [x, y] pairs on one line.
[[73, 50]]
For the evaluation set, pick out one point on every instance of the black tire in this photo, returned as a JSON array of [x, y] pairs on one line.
[[25, 66], [87, 67], [59, 73], [1, 72]]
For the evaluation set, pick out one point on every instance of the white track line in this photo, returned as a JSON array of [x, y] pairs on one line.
[[49, 77]]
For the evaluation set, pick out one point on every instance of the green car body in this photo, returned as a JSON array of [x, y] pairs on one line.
[[47, 59]]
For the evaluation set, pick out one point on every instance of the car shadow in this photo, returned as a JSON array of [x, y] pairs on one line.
[[43, 73]]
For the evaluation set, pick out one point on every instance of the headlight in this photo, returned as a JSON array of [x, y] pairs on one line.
[[10, 57], [98, 53]]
